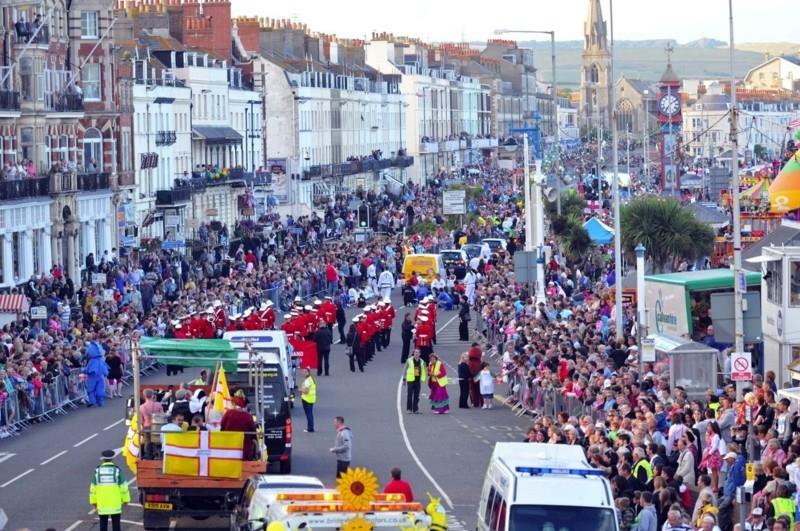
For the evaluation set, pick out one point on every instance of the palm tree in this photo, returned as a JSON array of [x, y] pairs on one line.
[[668, 231]]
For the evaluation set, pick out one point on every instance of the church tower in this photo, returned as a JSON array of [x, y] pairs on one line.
[[596, 84]]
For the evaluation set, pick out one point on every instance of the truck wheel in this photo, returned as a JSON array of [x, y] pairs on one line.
[[152, 520], [285, 467]]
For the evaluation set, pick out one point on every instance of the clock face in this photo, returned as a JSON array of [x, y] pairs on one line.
[[669, 104]]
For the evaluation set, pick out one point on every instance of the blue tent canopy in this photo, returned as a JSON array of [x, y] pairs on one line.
[[599, 232]]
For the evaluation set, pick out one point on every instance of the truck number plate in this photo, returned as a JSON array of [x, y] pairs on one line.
[[158, 506]]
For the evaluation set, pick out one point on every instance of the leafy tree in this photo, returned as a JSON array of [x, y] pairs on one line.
[[572, 205], [760, 151], [668, 230], [575, 242]]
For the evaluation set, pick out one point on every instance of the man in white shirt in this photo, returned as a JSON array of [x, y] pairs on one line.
[[386, 283], [470, 280], [372, 277], [437, 285]]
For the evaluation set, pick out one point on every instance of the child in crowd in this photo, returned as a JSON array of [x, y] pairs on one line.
[[486, 381]]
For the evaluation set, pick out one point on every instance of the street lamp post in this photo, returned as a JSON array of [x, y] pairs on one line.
[[641, 318], [554, 109], [646, 93], [615, 191], [740, 286]]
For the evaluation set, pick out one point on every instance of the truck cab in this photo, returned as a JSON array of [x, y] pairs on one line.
[[544, 487], [271, 345]]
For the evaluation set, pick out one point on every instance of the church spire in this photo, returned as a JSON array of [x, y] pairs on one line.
[[594, 28]]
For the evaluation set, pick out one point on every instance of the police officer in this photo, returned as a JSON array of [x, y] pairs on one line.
[[109, 492]]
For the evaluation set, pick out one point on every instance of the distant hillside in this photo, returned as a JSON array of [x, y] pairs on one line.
[[646, 60], [772, 48]]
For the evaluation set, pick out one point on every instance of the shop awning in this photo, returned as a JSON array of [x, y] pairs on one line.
[[13, 303], [216, 134]]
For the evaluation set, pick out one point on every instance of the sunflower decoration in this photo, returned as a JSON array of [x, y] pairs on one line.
[[357, 523], [357, 488]]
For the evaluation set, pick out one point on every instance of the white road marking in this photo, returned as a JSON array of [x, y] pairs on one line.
[[12, 480], [131, 522], [59, 454], [94, 510], [73, 526], [87, 439], [5, 456], [112, 425], [410, 449], [117, 451], [130, 481]]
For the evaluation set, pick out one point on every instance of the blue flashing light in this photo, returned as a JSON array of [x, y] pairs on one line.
[[539, 471]]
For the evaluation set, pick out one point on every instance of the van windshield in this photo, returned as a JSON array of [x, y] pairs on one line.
[[560, 518]]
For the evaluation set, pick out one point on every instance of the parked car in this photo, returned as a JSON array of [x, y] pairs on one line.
[[455, 261]]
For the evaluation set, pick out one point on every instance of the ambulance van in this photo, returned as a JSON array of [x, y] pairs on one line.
[[544, 487]]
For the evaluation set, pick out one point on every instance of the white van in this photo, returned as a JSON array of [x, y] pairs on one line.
[[271, 346], [544, 487]]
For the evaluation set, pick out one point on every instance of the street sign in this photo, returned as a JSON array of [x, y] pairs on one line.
[[171, 245], [525, 266], [98, 278], [454, 202], [38, 312], [648, 350], [128, 241], [741, 367]]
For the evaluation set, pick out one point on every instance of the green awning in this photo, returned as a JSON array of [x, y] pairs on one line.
[[191, 352]]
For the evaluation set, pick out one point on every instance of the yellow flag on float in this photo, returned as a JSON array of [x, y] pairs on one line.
[[222, 400], [203, 453], [130, 448]]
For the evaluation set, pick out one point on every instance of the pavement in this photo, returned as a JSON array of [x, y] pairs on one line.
[[45, 473]]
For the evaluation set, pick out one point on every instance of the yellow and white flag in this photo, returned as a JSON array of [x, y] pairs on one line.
[[203, 453], [222, 400], [130, 448]]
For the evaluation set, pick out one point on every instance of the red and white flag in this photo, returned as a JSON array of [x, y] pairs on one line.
[[794, 123]]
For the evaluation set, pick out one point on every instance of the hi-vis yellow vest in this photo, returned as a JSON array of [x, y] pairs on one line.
[[423, 374], [311, 395], [108, 490], [784, 507]]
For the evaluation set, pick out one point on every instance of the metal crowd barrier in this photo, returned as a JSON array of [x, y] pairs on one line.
[[530, 397], [22, 409]]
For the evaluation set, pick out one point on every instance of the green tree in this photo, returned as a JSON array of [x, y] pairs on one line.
[[760, 151], [668, 230], [572, 205], [575, 242]]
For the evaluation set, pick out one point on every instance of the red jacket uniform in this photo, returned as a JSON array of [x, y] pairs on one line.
[[267, 318], [328, 311], [424, 334], [220, 319]]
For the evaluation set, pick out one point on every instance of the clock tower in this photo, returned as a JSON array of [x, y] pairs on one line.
[[669, 121]]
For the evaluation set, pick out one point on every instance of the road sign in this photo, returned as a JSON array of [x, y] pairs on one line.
[[750, 472], [741, 367], [38, 312], [648, 350], [454, 202], [525, 266]]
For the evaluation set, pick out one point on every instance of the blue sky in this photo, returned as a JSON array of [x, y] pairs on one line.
[[449, 20]]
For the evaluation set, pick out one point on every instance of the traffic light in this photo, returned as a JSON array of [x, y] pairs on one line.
[[363, 216]]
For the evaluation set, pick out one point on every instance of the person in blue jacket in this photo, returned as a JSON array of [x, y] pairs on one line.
[[96, 372]]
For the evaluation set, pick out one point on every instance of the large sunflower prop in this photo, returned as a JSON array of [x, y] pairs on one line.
[[357, 488], [357, 523]]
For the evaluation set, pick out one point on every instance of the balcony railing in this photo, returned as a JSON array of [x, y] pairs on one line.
[[353, 167], [24, 188], [90, 182], [127, 178], [61, 102], [182, 194], [29, 34], [63, 182], [428, 147], [402, 162], [9, 100], [165, 138]]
